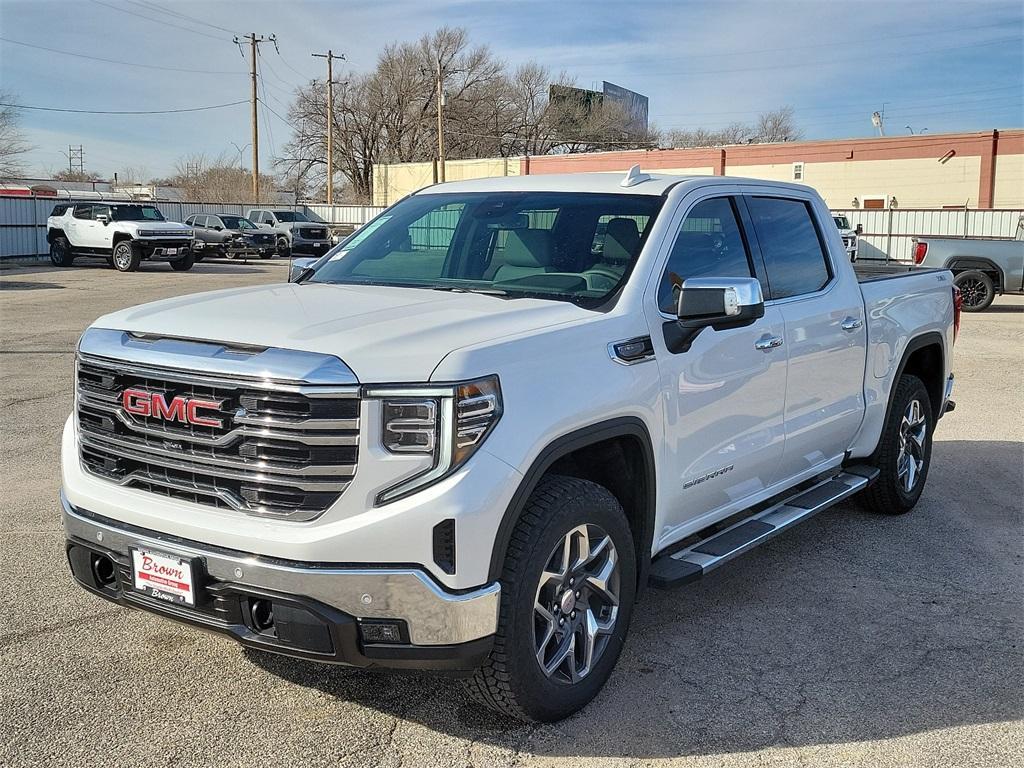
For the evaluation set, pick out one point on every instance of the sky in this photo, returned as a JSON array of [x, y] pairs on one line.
[[935, 66]]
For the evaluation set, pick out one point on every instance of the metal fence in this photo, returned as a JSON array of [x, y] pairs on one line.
[[23, 220], [888, 233]]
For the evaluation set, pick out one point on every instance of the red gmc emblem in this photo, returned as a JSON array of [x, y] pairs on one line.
[[186, 410]]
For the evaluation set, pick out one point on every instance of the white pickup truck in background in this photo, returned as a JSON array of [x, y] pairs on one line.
[[467, 438]]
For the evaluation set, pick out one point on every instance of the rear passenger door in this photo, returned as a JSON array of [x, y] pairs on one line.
[[825, 336], [723, 396]]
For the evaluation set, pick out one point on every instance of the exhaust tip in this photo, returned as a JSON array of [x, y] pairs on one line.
[[103, 570], [262, 614]]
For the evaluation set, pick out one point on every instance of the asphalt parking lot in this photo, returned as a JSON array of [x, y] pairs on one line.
[[852, 641]]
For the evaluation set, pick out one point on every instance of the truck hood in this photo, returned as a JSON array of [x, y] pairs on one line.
[[156, 226], [384, 334]]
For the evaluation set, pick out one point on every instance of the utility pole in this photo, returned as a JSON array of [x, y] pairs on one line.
[[440, 121], [254, 40], [330, 119]]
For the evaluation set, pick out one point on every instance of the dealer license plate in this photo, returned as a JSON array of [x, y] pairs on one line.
[[172, 251], [164, 577]]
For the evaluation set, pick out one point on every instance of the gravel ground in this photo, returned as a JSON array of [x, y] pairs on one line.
[[852, 641]]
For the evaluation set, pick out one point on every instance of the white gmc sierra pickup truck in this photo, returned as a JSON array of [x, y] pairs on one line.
[[466, 438]]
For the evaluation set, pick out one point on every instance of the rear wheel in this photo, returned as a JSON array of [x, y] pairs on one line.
[[904, 451], [266, 255], [60, 252], [977, 290], [126, 257], [567, 592]]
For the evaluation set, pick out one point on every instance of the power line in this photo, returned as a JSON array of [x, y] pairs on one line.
[[874, 103], [123, 112], [118, 62], [157, 21], [186, 17]]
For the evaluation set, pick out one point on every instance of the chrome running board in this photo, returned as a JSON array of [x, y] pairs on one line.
[[694, 561]]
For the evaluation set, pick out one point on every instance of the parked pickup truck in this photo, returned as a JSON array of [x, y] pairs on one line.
[[467, 438], [230, 235], [294, 232], [125, 234], [981, 267], [851, 236]]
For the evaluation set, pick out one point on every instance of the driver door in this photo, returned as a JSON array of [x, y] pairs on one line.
[[101, 235], [724, 396]]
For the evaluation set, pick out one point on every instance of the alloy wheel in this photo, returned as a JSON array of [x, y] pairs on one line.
[[576, 604], [122, 257], [973, 291], [912, 436]]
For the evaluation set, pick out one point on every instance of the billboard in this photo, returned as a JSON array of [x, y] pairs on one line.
[[634, 104]]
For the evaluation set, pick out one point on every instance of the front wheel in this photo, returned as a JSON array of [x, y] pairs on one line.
[[977, 290], [283, 247], [904, 450], [567, 592], [126, 258]]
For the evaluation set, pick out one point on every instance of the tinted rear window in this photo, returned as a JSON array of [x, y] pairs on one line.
[[792, 248]]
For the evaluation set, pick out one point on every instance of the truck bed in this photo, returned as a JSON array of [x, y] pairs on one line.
[[871, 271]]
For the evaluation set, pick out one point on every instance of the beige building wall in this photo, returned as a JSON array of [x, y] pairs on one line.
[[1009, 182], [393, 181], [915, 183]]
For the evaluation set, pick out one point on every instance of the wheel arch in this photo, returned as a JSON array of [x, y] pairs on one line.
[[622, 444], [923, 357], [53, 234], [957, 264], [120, 237]]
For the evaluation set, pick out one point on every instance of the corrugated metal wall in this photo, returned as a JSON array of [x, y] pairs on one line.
[[23, 220], [888, 233]]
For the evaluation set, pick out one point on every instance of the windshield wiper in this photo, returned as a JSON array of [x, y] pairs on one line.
[[485, 291]]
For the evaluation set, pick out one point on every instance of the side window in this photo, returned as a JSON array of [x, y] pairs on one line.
[[213, 221], [191, 221], [83, 212], [790, 244], [100, 210], [709, 244]]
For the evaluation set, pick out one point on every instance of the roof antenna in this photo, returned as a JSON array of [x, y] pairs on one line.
[[634, 177]]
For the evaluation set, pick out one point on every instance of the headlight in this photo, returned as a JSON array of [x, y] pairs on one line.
[[146, 233], [445, 422]]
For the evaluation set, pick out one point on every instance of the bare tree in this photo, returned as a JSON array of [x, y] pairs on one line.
[[79, 176], [13, 146], [774, 126], [201, 178], [390, 114], [778, 125]]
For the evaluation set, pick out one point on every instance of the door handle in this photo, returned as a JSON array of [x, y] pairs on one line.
[[851, 324], [768, 342]]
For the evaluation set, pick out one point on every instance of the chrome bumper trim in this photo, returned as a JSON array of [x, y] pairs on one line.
[[434, 616]]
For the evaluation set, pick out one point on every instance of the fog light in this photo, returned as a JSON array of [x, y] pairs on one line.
[[381, 631]]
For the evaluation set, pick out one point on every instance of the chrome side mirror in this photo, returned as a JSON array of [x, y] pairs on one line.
[[300, 268], [715, 302]]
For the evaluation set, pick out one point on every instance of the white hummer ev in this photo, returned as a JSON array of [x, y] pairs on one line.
[[125, 234], [470, 435]]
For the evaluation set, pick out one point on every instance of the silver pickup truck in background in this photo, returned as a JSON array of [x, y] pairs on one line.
[[981, 267]]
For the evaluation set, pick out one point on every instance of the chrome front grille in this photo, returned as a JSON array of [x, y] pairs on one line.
[[283, 450]]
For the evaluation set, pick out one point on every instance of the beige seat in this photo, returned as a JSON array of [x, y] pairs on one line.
[[527, 252]]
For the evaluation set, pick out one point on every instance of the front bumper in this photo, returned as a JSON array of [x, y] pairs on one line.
[[314, 248], [324, 608], [166, 249]]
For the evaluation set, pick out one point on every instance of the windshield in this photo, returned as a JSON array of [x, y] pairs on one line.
[[290, 216], [135, 213], [565, 246], [237, 222], [841, 221]]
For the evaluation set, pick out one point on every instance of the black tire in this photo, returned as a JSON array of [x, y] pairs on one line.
[[283, 248], [184, 264], [977, 290], [266, 255], [125, 257], [512, 680], [889, 494], [60, 252], [197, 257]]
